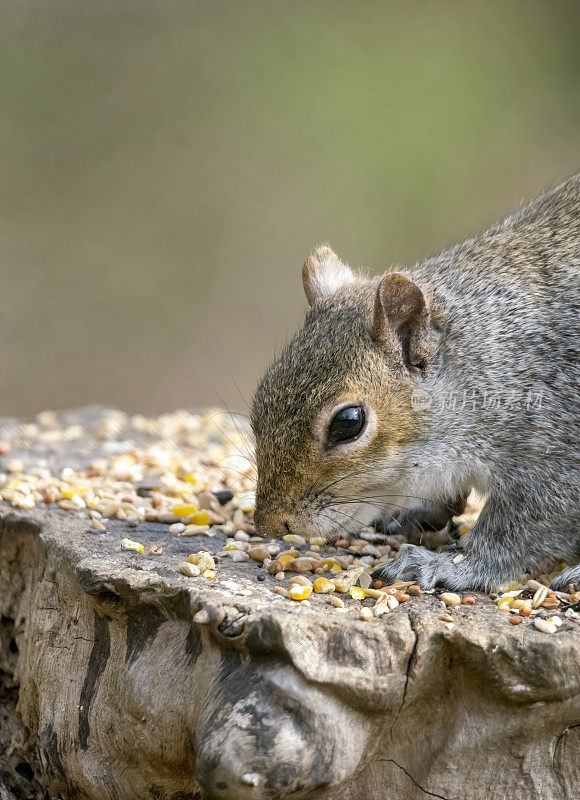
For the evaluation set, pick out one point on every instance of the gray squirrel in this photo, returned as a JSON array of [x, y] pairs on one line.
[[403, 392]]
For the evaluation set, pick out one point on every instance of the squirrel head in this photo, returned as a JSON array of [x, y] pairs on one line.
[[333, 417]]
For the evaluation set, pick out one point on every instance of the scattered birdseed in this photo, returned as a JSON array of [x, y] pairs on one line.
[[450, 598], [366, 614], [301, 580], [202, 560], [177, 527], [258, 553], [188, 473], [298, 592], [539, 597], [323, 585], [345, 581], [191, 570], [545, 626], [127, 544], [294, 538]]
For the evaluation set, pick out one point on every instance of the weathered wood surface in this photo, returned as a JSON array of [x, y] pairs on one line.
[[136, 682]]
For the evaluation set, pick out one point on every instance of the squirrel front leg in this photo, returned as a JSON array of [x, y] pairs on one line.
[[507, 540], [428, 525]]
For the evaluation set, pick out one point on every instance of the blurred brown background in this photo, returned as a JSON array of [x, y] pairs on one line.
[[165, 168]]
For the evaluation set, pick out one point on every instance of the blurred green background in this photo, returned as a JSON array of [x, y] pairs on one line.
[[166, 167]]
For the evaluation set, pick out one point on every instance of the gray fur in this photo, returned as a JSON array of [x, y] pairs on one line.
[[503, 318]]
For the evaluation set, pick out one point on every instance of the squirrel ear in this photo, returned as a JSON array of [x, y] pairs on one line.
[[400, 321], [323, 274]]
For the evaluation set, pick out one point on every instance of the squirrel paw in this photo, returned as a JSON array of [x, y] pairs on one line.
[[429, 569], [565, 578]]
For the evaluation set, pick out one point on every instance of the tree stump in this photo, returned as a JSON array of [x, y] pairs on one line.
[[135, 681]]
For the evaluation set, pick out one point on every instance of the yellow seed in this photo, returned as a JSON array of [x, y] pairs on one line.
[[504, 605], [199, 518], [209, 573], [127, 544], [357, 593], [231, 544], [323, 586], [505, 602], [318, 541], [298, 592], [186, 511], [294, 538], [287, 557], [202, 560], [190, 478], [69, 492], [330, 563]]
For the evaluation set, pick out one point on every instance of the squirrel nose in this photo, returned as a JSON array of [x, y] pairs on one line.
[[270, 524]]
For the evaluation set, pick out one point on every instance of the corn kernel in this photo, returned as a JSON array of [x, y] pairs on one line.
[[330, 563], [209, 573], [319, 541], [294, 538], [202, 560], [186, 511], [287, 557], [199, 518], [323, 586], [68, 492], [191, 478], [357, 593], [298, 592], [135, 547]]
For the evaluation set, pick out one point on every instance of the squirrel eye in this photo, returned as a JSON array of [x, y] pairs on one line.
[[346, 425]]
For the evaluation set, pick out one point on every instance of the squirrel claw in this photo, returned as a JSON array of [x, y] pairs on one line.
[[429, 569]]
